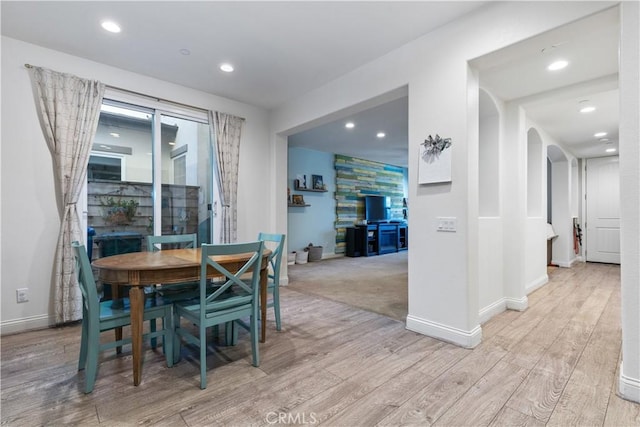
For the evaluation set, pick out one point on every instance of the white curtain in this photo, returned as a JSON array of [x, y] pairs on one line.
[[227, 130], [69, 109]]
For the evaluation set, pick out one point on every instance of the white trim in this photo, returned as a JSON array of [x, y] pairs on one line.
[[13, 326], [519, 304], [564, 264], [492, 309], [466, 339], [629, 388], [171, 109], [538, 283], [108, 155], [284, 281]]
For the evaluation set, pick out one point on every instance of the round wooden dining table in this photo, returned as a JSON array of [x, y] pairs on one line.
[[139, 269]]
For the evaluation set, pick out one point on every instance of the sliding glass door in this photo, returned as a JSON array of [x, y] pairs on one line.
[[149, 173], [185, 177]]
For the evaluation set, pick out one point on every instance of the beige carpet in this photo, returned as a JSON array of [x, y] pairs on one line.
[[377, 283]]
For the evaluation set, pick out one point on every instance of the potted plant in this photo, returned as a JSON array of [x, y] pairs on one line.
[[118, 211]]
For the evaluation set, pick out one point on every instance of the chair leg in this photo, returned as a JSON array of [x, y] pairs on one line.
[[91, 371], [167, 338], [177, 340], [82, 359], [152, 328], [254, 339], [118, 332], [203, 357], [276, 306]]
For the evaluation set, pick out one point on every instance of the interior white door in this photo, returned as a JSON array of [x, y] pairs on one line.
[[603, 210]]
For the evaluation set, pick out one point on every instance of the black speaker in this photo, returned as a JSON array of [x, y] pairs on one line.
[[353, 242]]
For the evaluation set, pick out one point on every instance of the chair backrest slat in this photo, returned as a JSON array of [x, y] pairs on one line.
[[172, 241], [87, 283], [253, 249], [275, 259]]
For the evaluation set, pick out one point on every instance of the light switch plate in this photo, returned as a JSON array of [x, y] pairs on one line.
[[448, 224]]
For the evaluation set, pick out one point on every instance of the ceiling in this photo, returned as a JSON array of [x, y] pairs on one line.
[[282, 50], [553, 99], [517, 73]]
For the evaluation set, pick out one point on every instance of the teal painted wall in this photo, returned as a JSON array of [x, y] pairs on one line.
[[314, 223]]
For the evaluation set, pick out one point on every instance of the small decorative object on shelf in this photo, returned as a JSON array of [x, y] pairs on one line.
[[297, 199], [316, 182], [300, 182]]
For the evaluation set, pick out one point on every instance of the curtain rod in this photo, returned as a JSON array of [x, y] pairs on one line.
[[149, 96]]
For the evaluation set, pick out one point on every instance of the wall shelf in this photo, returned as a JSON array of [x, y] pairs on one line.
[[309, 189], [296, 205]]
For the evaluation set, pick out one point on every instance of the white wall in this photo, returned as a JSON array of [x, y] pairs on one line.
[[629, 382], [491, 293], [30, 216], [443, 289]]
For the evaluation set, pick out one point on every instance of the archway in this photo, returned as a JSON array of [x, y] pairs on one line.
[[535, 272], [490, 245], [559, 206]]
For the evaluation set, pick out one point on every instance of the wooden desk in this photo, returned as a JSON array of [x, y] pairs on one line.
[[140, 269]]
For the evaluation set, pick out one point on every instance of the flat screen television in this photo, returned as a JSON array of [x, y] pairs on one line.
[[377, 208]]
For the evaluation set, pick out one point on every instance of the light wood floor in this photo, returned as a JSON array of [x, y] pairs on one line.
[[335, 365]]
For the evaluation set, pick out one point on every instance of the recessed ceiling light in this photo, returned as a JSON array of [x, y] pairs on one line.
[[610, 150], [588, 109], [172, 143], [115, 134], [558, 65], [605, 140], [349, 125], [381, 135], [599, 134], [226, 67], [185, 52], [111, 26]]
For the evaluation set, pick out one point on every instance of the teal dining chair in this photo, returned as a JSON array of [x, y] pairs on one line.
[[98, 317], [176, 291], [234, 300], [275, 242]]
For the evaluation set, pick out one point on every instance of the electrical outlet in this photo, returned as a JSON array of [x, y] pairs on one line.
[[22, 295]]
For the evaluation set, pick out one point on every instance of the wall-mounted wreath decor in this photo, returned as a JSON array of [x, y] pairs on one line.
[[435, 160]]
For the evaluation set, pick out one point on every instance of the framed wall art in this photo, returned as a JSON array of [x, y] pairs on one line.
[[435, 160]]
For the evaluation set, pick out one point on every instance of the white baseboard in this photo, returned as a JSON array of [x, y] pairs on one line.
[[564, 264], [518, 304], [538, 283], [629, 388], [284, 281], [26, 324], [466, 339], [491, 310]]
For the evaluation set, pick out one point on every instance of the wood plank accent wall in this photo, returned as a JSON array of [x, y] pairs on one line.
[[356, 178]]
